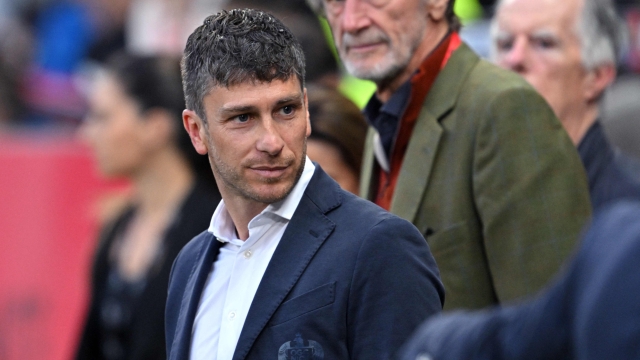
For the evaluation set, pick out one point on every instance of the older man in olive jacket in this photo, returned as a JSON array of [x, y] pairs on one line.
[[469, 153]]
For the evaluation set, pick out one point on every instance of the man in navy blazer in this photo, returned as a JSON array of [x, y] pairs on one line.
[[292, 266], [591, 312]]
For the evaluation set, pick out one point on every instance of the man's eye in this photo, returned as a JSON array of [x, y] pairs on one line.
[[544, 43], [504, 45], [287, 110], [242, 118]]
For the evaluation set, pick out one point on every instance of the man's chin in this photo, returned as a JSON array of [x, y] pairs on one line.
[[367, 70], [270, 196]]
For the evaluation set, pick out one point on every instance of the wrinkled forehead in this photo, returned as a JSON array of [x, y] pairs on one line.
[[537, 15]]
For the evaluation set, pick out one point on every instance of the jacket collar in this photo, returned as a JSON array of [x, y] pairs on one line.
[[423, 145], [307, 231]]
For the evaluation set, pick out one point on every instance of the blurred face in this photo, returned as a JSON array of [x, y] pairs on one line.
[[330, 160], [539, 40], [377, 39], [115, 129], [256, 138]]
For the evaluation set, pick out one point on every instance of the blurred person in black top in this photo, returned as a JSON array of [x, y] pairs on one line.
[[135, 128]]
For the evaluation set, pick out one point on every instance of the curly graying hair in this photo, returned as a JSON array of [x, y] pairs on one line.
[[454, 22], [233, 47]]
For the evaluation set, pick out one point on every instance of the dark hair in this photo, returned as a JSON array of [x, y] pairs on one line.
[[236, 46], [305, 26], [452, 18], [339, 122], [154, 83]]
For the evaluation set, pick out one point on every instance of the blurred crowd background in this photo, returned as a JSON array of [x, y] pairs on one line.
[[53, 199]]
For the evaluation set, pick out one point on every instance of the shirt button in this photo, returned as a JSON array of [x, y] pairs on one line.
[[232, 315], [247, 254]]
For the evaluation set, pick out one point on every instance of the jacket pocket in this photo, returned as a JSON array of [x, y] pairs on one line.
[[305, 303]]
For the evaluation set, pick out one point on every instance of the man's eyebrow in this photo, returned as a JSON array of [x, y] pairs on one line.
[[290, 99], [544, 33], [236, 109], [502, 35]]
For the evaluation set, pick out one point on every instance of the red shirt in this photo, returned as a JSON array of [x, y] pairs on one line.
[[421, 83]]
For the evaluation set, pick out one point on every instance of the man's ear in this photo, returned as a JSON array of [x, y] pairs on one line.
[[597, 80], [306, 106], [436, 9], [196, 129]]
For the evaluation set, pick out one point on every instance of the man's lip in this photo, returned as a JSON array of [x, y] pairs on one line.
[[364, 47], [269, 171]]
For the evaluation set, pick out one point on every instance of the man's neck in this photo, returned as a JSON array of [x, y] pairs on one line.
[[242, 212], [432, 38], [577, 124]]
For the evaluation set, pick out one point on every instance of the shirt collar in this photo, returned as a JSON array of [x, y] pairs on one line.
[[394, 107], [222, 226]]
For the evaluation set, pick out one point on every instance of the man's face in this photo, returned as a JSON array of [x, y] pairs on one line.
[[376, 39], [256, 138], [539, 40]]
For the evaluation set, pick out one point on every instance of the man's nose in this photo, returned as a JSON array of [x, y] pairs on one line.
[[354, 16], [270, 140], [516, 58]]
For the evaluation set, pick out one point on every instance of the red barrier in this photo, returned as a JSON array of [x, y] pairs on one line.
[[48, 229]]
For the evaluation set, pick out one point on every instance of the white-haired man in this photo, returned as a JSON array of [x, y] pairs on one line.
[[568, 51]]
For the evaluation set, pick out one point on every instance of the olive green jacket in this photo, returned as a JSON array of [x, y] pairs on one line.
[[493, 182]]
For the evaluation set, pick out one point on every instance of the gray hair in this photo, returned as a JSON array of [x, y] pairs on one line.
[[601, 34]]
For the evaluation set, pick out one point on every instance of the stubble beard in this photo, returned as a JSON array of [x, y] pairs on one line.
[[235, 182], [394, 61]]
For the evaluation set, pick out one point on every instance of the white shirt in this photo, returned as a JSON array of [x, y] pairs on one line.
[[236, 274]]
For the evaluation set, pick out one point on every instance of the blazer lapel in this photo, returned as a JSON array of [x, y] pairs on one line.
[[423, 146], [307, 230], [191, 299]]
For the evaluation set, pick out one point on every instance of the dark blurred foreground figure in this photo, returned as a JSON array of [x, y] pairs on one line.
[[568, 51], [591, 312], [292, 266], [136, 131], [338, 132]]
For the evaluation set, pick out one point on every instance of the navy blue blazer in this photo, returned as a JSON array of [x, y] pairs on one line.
[[348, 280], [591, 312]]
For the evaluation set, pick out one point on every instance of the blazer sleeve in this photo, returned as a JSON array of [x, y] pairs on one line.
[[395, 286], [591, 312], [530, 191]]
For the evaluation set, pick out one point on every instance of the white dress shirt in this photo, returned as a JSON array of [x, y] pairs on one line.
[[236, 274]]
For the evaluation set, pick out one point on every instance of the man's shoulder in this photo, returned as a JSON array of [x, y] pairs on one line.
[[193, 249], [364, 214], [491, 79], [472, 80]]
